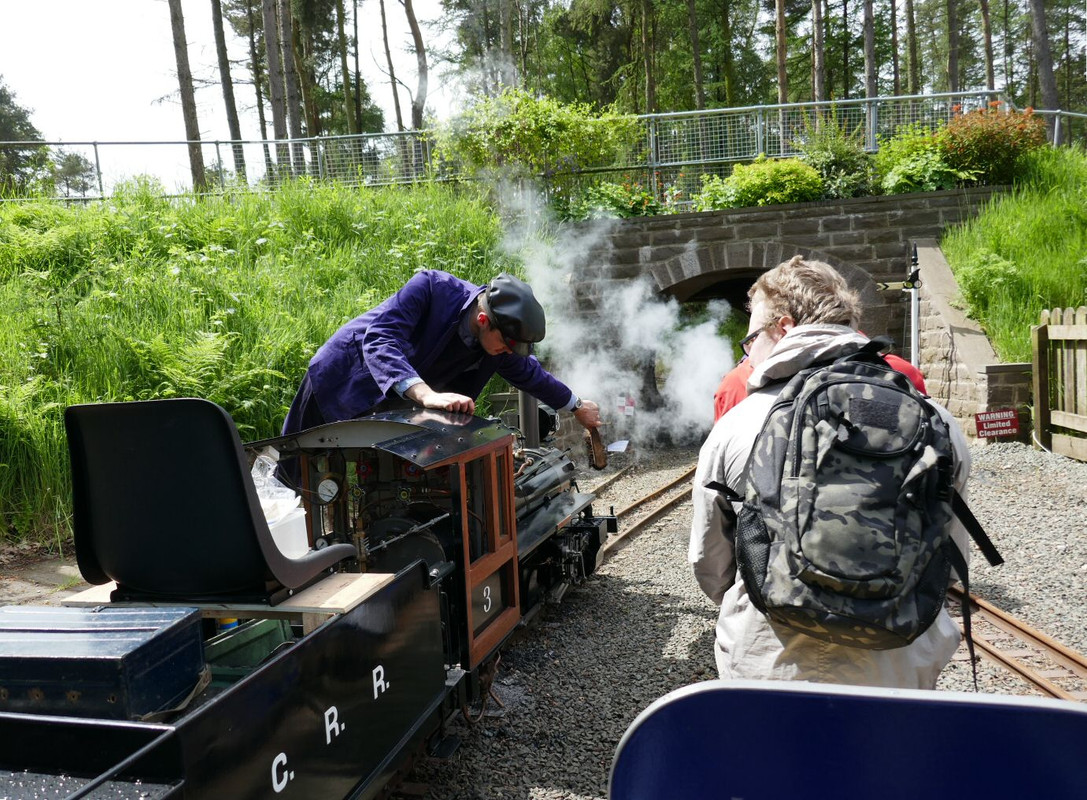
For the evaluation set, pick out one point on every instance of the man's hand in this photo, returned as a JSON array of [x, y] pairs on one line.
[[588, 415], [442, 401]]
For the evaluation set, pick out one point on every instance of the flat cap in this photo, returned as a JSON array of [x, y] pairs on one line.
[[515, 311]]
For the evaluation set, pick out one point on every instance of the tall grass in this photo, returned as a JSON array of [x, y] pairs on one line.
[[1026, 252], [226, 298]]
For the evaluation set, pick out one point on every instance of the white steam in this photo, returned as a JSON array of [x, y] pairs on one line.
[[631, 353]]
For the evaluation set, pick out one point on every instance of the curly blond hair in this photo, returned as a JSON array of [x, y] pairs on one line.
[[809, 292]]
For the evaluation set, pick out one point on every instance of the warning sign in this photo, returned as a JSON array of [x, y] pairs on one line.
[[998, 422]]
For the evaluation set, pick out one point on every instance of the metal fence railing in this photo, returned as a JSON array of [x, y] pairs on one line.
[[665, 151]]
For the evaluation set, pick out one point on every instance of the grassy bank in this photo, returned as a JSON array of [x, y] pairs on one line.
[[225, 298], [1026, 252]]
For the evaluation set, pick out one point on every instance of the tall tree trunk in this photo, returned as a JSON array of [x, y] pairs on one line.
[[896, 76], [258, 79], [525, 32], [728, 63], [870, 87], [304, 58], [780, 50], [1067, 60], [847, 48], [648, 54], [392, 69], [1047, 81], [914, 78], [348, 100], [188, 97], [1009, 49], [819, 53], [276, 92], [696, 52], [987, 33], [358, 73], [953, 45], [783, 75], [228, 90], [290, 83], [507, 71], [418, 102]]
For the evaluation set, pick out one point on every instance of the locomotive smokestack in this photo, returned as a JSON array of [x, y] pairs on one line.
[[529, 417]]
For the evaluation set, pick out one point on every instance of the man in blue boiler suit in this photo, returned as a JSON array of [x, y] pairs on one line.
[[435, 343]]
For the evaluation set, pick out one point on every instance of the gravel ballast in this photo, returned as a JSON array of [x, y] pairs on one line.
[[573, 681]]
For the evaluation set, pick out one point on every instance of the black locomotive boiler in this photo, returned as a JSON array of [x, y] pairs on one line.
[[211, 660]]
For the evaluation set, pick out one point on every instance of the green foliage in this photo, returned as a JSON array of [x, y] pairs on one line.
[[923, 172], [525, 135], [227, 298], [612, 200], [913, 161], [763, 182], [1026, 252], [21, 168], [840, 159], [985, 276], [990, 143], [73, 173]]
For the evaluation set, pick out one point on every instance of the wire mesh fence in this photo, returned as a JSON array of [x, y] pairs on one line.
[[666, 153]]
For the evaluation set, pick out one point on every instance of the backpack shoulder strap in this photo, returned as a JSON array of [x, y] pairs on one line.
[[729, 493], [977, 533]]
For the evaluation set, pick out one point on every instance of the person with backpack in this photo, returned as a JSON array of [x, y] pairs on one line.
[[804, 315]]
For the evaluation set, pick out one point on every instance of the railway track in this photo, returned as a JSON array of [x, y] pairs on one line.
[[645, 510], [1047, 665]]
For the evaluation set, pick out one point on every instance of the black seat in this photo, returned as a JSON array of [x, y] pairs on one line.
[[164, 504]]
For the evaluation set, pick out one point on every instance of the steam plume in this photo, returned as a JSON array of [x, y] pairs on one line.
[[612, 354]]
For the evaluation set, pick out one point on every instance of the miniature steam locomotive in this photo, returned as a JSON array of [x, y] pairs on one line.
[[206, 662]]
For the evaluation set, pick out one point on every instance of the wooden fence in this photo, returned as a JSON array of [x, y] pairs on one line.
[[1060, 381]]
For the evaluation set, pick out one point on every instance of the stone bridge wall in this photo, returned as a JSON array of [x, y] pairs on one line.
[[869, 240]]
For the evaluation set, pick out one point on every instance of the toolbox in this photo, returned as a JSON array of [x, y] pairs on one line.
[[107, 662]]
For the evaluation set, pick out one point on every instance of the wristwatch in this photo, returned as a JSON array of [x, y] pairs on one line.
[[577, 405]]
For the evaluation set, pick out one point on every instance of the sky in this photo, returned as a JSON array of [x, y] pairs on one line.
[[104, 71]]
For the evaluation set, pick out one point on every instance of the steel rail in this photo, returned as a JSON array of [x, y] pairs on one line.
[[684, 478], [1064, 663], [604, 484], [653, 513]]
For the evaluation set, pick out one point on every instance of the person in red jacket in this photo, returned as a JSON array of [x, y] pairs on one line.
[[733, 387]]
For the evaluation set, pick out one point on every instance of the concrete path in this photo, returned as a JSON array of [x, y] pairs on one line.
[[43, 582]]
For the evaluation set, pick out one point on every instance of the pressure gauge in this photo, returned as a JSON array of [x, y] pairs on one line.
[[328, 488]]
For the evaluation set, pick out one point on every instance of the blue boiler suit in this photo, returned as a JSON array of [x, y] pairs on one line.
[[413, 333]]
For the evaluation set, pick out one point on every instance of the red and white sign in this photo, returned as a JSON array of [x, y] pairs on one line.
[[998, 422]]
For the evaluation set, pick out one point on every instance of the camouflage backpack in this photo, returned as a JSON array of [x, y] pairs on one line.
[[844, 532]]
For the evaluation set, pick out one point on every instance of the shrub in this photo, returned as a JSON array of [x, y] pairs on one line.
[[922, 172], [530, 135], [612, 200], [987, 276], [764, 182], [991, 143], [839, 158], [913, 161]]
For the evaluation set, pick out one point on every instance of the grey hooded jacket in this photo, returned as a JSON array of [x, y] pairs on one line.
[[747, 644]]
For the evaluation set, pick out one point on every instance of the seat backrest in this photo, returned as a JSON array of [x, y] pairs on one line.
[[779, 739], [164, 504]]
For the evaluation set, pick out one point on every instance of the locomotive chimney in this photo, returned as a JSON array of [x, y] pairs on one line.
[[529, 418]]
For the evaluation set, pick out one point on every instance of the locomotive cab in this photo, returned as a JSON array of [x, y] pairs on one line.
[[496, 527]]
